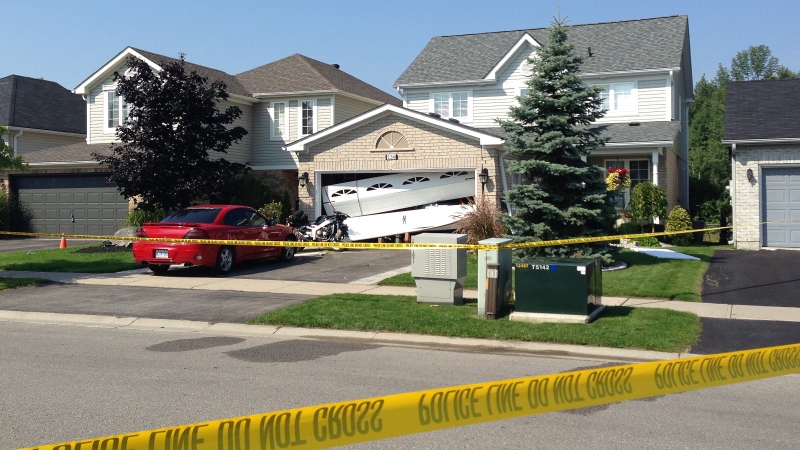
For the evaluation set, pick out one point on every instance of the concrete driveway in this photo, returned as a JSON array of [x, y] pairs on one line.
[[755, 278]]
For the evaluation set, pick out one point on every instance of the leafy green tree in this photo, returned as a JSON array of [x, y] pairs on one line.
[[648, 201], [755, 63], [163, 158], [7, 158], [548, 133]]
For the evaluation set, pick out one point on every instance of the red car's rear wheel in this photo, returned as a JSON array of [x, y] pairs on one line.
[[225, 259]]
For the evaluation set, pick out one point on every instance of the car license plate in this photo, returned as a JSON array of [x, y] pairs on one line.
[[162, 254]]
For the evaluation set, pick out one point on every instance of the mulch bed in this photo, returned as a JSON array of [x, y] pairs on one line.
[[105, 247]]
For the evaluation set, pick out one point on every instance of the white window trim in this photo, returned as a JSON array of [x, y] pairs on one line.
[[107, 90], [518, 91], [300, 117], [468, 118], [611, 112], [285, 128]]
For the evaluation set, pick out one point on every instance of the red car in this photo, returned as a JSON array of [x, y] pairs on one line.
[[224, 222]]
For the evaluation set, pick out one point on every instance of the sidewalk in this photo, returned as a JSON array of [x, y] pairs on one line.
[[144, 278]]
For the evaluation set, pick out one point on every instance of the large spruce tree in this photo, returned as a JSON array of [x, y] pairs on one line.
[[561, 196], [172, 143]]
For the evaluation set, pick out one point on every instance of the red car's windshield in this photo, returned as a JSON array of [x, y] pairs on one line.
[[194, 215]]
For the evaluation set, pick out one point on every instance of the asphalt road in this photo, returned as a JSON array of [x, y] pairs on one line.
[[63, 382]]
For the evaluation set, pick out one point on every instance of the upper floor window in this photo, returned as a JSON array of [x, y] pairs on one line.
[[280, 121], [308, 117], [618, 98], [116, 111], [451, 104]]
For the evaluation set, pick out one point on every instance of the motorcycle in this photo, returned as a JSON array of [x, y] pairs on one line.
[[326, 228]]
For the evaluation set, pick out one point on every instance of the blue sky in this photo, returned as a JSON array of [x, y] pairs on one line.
[[66, 41]]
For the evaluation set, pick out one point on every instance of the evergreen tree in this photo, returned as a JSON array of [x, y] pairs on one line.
[[163, 158], [561, 196]]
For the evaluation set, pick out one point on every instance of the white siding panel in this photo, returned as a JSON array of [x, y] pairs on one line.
[[418, 100], [324, 119], [490, 104], [267, 152], [652, 100]]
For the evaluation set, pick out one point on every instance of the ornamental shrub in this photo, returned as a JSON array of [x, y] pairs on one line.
[[649, 241], [648, 201], [679, 220]]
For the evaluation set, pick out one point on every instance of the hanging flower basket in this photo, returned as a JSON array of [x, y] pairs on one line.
[[618, 179]]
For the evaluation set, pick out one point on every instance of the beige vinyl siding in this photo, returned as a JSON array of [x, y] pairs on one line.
[[31, 141], [241, 151], [652, 100], [324, 114], [346, 108], [266, 152], [96, 112]]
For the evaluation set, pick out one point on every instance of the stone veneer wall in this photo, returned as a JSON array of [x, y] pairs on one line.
[[429, 148], [746, 201]]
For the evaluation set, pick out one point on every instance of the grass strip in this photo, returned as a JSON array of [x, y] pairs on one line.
[[645, 276], [66, 260], [618, 327], [12, 283]]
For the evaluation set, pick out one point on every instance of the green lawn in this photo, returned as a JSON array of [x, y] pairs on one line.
[[645, 276], [11, 283], [619, 327], [66, 260]]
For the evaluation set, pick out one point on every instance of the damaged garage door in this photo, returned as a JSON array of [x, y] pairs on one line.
[[72, 204]]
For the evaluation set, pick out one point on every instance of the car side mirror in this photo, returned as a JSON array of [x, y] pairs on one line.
[[271, 222]]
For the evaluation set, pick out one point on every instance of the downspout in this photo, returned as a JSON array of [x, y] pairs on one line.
[[15, 141], [88, 117], [732, 193], [505, 182]]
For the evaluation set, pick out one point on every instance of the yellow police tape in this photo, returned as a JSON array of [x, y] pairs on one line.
[[389, 246], [351, 422]]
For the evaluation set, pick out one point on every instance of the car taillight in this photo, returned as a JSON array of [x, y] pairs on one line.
[[140, 233], [196, 233]]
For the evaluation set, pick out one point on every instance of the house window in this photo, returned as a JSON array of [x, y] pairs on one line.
[[639, 172], [116, 111], [451, 104], [618, 98], [392, 140], [279, 121], [308, 117]]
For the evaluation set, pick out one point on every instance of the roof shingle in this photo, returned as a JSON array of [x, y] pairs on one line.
[[40, 104], [298, 73], [765, 109], [657, 43]]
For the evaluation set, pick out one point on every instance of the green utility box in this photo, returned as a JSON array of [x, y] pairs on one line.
[[558, 285]]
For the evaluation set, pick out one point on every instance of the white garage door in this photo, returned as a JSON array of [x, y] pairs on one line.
[[781, 195], [72, 204]]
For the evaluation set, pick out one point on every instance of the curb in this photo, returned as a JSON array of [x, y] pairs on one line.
[[375, 337]]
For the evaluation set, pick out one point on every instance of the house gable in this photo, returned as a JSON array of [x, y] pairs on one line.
[[33, 104]]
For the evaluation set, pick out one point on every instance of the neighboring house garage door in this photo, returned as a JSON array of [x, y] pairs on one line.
[[72, 204], [781, 202]]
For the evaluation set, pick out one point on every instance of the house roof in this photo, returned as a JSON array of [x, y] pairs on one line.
[[298, 73], [40, 104], [233, 86], [762, 110], [633, 45], [647, 133], [73, 153], [484, 136]]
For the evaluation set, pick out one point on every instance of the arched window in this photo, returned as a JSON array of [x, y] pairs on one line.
[[343, 192], [391, 140], [377, 186], [413, 180], [453, 174]]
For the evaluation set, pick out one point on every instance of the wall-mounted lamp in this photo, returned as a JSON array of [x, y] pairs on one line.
[[484, 176], [303, 179], [750, 177]]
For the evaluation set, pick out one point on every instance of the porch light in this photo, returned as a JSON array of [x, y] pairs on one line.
[[303, 179], [750, 177], [484, 176]]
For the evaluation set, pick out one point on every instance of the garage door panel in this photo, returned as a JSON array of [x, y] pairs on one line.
[[54, 200], [781, 202]]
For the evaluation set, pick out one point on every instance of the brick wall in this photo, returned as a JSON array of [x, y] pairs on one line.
[[747, 196], [429, 148]]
